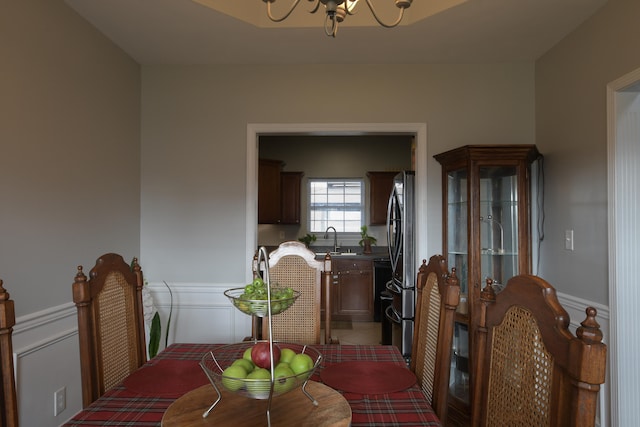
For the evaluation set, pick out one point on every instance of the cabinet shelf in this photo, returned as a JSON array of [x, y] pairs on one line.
[[496, 253]]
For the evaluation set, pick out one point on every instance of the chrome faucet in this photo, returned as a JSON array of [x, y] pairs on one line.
[[335, 237]]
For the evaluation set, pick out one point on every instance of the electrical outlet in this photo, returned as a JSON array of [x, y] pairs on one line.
[[59, 401], [282, 235]]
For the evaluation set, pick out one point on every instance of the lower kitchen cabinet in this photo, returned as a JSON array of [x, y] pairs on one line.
[[352, 292]]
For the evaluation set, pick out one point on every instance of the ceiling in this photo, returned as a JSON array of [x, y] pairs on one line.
[[189, 32]]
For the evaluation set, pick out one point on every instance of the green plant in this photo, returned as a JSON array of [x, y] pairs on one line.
[[364, 234], [156, 328], [307, 239]]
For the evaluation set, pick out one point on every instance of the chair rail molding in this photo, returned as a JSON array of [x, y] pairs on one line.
[[200, 312]]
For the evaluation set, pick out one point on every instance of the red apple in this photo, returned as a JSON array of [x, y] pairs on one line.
[[260, 355]]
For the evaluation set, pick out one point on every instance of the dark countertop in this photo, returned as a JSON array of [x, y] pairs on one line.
[[346, 252], [354, 254]]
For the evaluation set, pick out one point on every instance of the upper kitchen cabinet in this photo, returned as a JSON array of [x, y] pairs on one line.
[[269, 191], [278, 193], [290, 183], [380, 185], [486, 234]]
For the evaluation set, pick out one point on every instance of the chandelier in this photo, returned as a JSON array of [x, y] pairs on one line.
[[337, 10]]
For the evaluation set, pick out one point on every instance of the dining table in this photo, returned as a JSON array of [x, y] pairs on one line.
[[373, 379]]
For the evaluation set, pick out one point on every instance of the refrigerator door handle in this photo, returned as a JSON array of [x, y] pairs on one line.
[[393, 287], [392, 315]]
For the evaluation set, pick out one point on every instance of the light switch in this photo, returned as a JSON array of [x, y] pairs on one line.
[[568, 240]]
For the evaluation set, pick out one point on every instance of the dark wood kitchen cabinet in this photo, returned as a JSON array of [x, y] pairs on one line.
[[380, 185], [290, 183], [269, 191], [486, 234], [352, 291], [278, 193]]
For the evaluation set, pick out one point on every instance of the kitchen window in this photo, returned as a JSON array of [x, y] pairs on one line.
[[337, 203]]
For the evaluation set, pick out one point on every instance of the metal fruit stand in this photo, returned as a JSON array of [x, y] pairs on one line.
[[213, 364]]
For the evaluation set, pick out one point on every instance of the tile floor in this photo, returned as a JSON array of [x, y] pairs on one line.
[[359, 333]]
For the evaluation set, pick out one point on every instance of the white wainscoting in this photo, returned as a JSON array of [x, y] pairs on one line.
[[201, 313], [47, 357]]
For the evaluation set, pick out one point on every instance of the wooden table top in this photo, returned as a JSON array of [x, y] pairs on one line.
[[292, 408]]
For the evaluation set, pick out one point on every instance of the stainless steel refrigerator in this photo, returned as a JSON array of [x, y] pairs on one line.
[[401, 238]]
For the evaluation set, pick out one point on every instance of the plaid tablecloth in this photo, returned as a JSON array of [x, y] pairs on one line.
[[122, 407]]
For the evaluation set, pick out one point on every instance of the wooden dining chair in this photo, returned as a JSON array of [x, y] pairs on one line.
[[110, 323], [532, 370], [294, 265], [438, 295], [8, 399]]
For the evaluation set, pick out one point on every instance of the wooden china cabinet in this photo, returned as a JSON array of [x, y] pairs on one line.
[[486, 234]]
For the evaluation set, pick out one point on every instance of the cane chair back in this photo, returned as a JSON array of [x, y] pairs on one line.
[[532, 370], [293, 265], [110, 323], [438, 295], [8, 399]]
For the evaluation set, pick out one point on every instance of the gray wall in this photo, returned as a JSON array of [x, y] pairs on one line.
[[70, 151], [194, 141], [69, 186], [571, 82]]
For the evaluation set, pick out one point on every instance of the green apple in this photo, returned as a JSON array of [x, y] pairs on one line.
[[246, 364], [300, 363], [259, 383], [286, 354], [247, 354], [284, 378], [282, 365], [232, 377]]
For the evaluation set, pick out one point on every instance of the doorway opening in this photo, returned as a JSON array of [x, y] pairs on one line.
[[418, 130]]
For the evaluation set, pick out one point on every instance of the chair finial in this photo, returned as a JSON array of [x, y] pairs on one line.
[[488, 293], [589, 331], [4, 295], [80, 276], [134, 265]]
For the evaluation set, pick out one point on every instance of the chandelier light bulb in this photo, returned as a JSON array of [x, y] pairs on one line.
[[337, 10]]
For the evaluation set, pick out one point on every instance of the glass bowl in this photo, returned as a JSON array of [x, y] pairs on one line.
[[216, 361], [259, 308]]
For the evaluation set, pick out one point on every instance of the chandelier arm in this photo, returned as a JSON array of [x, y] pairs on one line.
[[330, 29], [293, 6], [373, 12], [315, 7]]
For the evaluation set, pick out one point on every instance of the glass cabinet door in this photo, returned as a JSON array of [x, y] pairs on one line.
[[458, 256], [498, 224], [457, 241]]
